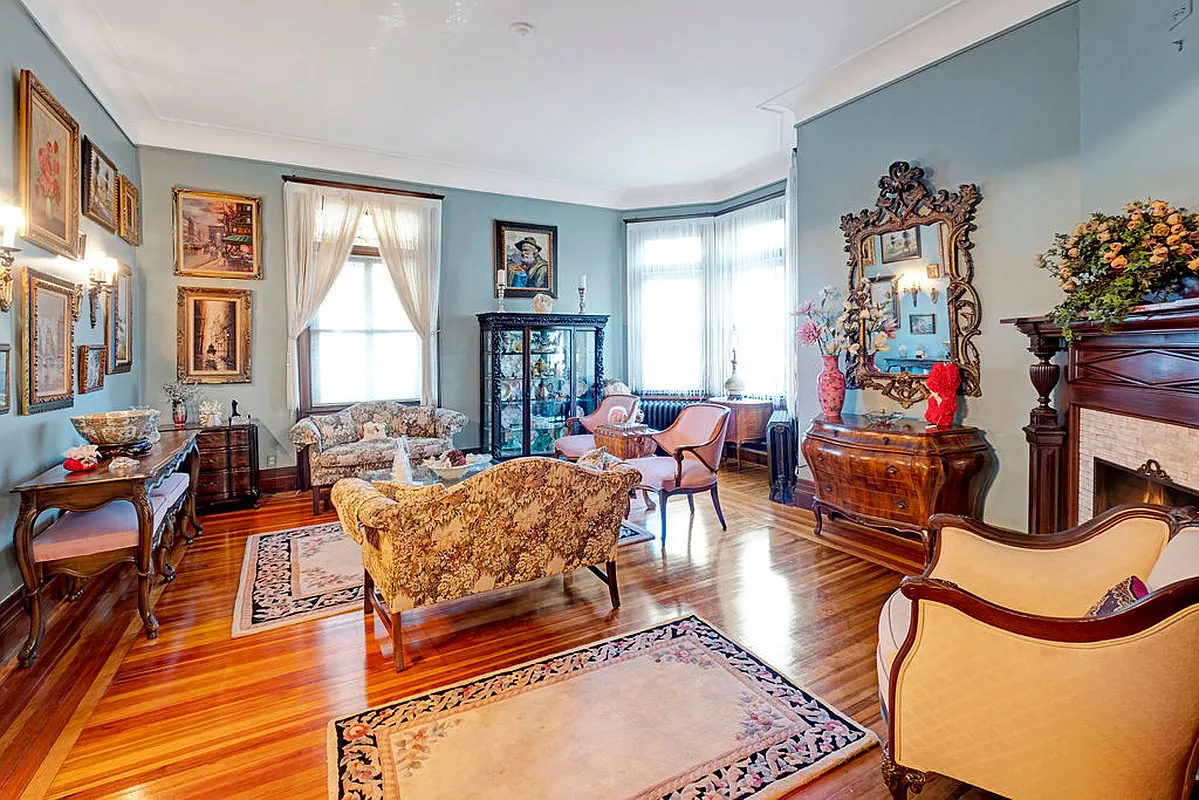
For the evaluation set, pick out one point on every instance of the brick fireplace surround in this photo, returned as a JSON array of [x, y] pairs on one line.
[[1131, 394]]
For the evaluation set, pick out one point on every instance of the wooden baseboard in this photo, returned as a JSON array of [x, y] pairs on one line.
[[280, 479]]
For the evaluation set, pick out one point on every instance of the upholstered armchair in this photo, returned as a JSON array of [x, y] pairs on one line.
[[995, 669], [576, 445], [334, 448], [520, 520], [694, 445]]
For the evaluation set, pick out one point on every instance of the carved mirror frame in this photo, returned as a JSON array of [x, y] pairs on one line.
[[905, 201]]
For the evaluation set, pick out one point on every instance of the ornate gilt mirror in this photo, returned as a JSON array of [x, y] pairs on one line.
[[909, 261]]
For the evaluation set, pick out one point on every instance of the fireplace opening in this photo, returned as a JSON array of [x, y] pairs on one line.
[[1116, 485]]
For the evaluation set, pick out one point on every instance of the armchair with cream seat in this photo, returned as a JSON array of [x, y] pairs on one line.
[[694, 445], [576, 445], [991, 671]]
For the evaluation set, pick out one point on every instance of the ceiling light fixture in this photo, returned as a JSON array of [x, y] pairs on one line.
[[522, 29]]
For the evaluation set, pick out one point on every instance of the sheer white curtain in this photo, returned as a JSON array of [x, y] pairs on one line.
[[409, 230], [320, 223], [791, 282], [667, 286]]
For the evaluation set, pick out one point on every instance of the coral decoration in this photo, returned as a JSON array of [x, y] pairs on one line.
[[943, 383], [82, 458]]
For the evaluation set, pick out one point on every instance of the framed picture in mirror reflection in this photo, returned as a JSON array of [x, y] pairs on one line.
[[901, 245], [922, 324]]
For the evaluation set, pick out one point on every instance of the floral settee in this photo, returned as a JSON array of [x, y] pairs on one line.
[[337, 450], [517, 521]]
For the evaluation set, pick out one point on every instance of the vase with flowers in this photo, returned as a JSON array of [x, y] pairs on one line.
[[1109, 265], [826, 326], [179, 392]]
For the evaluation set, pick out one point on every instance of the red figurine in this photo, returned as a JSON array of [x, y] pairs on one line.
[[943, 382]]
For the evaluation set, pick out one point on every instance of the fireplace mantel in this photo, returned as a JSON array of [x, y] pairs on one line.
[[1146, 366]]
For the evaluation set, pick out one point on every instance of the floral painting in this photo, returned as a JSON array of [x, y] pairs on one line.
[[48, 165], [119, 324], [217, 235], [99, 187], [47, 343], [528, 257], [214, 335], [130, 211]]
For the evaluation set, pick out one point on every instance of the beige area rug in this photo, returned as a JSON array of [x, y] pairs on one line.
[[312, 572], [674, 711]]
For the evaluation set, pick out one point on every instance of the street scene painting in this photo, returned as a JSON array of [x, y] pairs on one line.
[[217, 235], [48, 343], [214, 335]]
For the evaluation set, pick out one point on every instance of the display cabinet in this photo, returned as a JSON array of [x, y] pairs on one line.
[[538, 370]]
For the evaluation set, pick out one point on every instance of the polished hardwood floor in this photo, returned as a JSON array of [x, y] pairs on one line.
[[106, 713]]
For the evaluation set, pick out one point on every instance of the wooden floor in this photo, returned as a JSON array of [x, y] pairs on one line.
[[195, 713]]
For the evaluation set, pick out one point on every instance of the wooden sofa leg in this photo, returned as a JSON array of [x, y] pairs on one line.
[[613, 588], [900, 780], [368, 589], [397, 640], [316, 500]]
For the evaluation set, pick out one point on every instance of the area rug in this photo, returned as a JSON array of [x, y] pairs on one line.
[[674, 711], [312, 572]]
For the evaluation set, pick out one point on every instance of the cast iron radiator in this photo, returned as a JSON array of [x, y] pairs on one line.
[[661, 410], [783, 456]]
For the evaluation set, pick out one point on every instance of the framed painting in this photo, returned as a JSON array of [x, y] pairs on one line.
[[48, 169], [93, 358], [868, 257], [118, 323], [5, 368], [217, 235], [528, 255], [922, 324], [129, 212], [901, 245], [47, 343], [100, 203], [213, 338]]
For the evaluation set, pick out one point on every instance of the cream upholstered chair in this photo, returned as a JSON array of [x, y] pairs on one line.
[[694, 444], [991, 672], [575, 446]]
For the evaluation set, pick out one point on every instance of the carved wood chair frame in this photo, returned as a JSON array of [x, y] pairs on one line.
[[906, 200]]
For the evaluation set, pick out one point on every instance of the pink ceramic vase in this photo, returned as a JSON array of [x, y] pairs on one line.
[[830, 388]]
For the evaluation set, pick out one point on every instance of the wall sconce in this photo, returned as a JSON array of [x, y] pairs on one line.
[[101, 272], [12, 222]]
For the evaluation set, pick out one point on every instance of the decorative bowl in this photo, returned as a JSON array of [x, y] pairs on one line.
[[543, 303], [449, 473], [113, 427]]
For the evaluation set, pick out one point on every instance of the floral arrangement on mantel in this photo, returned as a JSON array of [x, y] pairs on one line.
[[1111, 264]]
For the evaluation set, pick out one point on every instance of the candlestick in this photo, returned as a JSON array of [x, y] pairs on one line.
[[582, 281], [582, 299], [500, 294]]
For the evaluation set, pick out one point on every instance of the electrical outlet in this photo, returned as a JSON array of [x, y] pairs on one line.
[[1180, 11], [272, 460]]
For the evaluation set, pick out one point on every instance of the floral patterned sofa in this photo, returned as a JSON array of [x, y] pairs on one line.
[[520, 520], [336, 449]]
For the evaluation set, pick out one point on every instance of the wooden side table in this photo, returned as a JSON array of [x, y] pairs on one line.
[[228, 464], [747, 421]]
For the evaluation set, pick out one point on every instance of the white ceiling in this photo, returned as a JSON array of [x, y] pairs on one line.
[[620, 103]]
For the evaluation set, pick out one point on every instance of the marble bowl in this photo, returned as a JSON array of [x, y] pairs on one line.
[[114, 427]]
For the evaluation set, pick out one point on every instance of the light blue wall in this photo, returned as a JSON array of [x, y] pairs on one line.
[[1004, 115], [29, 444], [590, 241]]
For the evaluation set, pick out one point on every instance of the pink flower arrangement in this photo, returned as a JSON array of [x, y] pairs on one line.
[[828, 325]]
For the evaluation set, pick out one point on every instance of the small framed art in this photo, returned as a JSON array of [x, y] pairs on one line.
[[100, 203], [93, 359]]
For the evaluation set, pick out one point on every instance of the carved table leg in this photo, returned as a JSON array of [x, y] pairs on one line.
[[818, 510], [145, 570], [31, 574], [165, 547], [75, 587], [900, 780], [193, 471]]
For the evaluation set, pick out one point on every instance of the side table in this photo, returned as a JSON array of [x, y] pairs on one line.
[[747, 420]]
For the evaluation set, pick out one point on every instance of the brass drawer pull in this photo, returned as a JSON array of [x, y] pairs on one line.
[[828, 487], [892, 469], [901, 504]]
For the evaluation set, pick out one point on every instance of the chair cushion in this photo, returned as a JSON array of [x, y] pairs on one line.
[[1178, 561], [1122, 595], [575, 447], [111, 527], [658, 472], [893, 625]]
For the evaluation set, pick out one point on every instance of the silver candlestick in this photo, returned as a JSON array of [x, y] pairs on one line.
[[582, 300], [500, 295]]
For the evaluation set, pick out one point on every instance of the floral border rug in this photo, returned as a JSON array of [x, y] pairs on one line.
[[678, 710], [312, 572]]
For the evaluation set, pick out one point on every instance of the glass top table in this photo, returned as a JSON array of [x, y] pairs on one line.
[[423, 476]]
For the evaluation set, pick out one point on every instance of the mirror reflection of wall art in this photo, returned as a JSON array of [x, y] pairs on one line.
[[47, 343], [48, 167], [217, 235], [5, 368], [214, 335], [868, 257], [130, 211], [922, 324], [92, 360], [528, 255], [100, 202], [901, 245], [118, 323]]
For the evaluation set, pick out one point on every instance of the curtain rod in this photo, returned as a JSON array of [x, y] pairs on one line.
[[361, 187], [729, 210]]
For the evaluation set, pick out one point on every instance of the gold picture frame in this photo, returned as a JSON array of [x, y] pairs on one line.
[[213, 340], [129, 200], [5, 380], [48, 169], [217, 235], [118, 321], [101, 202], [47, 343], [93, 360]]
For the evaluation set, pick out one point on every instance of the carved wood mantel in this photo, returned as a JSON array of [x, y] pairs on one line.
[[1146, 366]]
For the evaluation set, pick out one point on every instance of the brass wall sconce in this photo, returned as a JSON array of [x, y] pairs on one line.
[[102, 271], [12, 222]]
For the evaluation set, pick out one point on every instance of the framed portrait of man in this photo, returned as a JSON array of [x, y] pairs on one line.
[[528, 256]]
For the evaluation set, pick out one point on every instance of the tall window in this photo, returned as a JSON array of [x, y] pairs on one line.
[[361, 345], [692, 281]]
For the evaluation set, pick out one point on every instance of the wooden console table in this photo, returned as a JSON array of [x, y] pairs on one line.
[[56, 488]]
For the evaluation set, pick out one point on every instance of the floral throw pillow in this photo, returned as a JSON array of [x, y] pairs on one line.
[[598, 459], [1120, 596], [336, 429], [374, 430]]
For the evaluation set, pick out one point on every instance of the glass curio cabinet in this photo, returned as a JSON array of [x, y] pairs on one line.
[[538, 371]]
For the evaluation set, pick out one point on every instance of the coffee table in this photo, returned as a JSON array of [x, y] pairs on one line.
[[423, 476]]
